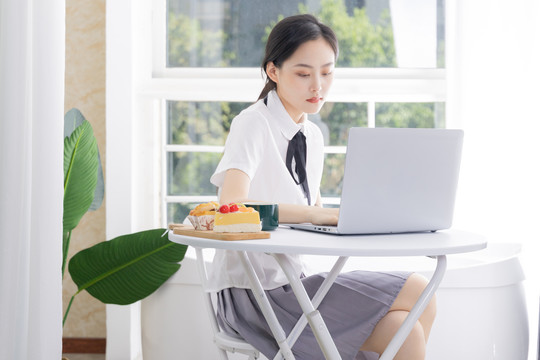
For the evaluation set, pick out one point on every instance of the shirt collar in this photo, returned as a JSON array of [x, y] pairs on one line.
[[286, 124]]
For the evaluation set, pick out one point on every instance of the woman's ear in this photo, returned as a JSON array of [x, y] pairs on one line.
[[271, 71]]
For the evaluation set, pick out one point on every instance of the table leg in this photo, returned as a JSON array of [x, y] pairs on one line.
[[266, 308], [317, 299], [313, 316], [417, 310]]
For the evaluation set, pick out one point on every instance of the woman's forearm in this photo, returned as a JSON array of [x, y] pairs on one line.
[[295, 214]]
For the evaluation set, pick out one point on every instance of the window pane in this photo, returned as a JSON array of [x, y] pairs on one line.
[[208, 123], [189, 172], [334, 166], [335, 119], [232, 33], [200, 123], [177, 212], [410, 115]]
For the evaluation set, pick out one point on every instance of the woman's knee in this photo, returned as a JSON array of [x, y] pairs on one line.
[[414, 346], [431, 309], [410, 292]]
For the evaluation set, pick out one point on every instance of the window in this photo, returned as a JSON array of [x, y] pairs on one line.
[[232, 33], [206, 58]]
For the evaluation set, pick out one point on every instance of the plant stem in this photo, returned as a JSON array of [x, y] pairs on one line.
[[69, 307], [65, 251]]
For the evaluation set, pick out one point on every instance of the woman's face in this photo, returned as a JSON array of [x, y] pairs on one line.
[[304, 79]]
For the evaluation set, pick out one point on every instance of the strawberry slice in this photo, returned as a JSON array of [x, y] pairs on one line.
[[233, 208], [224, 209]]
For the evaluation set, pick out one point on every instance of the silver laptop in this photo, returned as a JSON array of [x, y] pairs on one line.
[[396, 181]]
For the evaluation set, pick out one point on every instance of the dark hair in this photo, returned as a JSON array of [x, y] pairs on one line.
[[287, 36]]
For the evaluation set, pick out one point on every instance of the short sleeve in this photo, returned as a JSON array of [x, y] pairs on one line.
[[244, 147]]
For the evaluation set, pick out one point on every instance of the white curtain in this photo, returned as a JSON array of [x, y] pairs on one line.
[[32, 57], [493, 64]]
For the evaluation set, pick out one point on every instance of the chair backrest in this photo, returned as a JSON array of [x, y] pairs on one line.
[[224, 342]]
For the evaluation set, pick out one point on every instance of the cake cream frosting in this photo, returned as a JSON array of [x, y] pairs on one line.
[[237, 218]]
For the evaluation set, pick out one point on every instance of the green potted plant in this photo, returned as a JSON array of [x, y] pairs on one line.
[[122, 270]]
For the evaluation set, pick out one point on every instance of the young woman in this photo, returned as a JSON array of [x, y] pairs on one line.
[[265, 160]]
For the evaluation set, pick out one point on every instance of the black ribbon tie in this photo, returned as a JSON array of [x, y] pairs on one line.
[[297, 150]]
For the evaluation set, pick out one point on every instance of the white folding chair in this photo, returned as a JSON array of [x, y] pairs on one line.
[[225, 343]]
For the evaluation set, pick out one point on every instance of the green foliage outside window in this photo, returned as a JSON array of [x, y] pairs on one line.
[[361, 43], [409, 115], [186, 39]]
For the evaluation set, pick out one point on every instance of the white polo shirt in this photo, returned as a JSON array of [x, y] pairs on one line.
[[257, 145]]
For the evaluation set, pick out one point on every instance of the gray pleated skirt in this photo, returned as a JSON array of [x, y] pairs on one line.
[[354, 305]]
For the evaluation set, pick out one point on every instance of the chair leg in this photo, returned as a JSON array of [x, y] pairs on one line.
[[223, 354]]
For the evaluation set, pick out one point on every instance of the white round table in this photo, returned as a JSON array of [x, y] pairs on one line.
[[288, 241]]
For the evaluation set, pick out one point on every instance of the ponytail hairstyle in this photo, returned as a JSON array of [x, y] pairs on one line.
[[287, 36]]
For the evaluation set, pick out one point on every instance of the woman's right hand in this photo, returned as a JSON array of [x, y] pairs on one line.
[[297, 214], [324, 216]]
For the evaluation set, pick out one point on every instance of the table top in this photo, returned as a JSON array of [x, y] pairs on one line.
[[289, 241]]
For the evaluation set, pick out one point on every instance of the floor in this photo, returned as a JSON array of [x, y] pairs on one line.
[[84, 356]]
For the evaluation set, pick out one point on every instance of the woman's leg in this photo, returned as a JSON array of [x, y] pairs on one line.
[[414, 346]]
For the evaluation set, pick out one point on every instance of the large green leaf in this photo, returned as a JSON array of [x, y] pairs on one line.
[[72, 120], [80, 174], [127, 268], [100, 187]]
